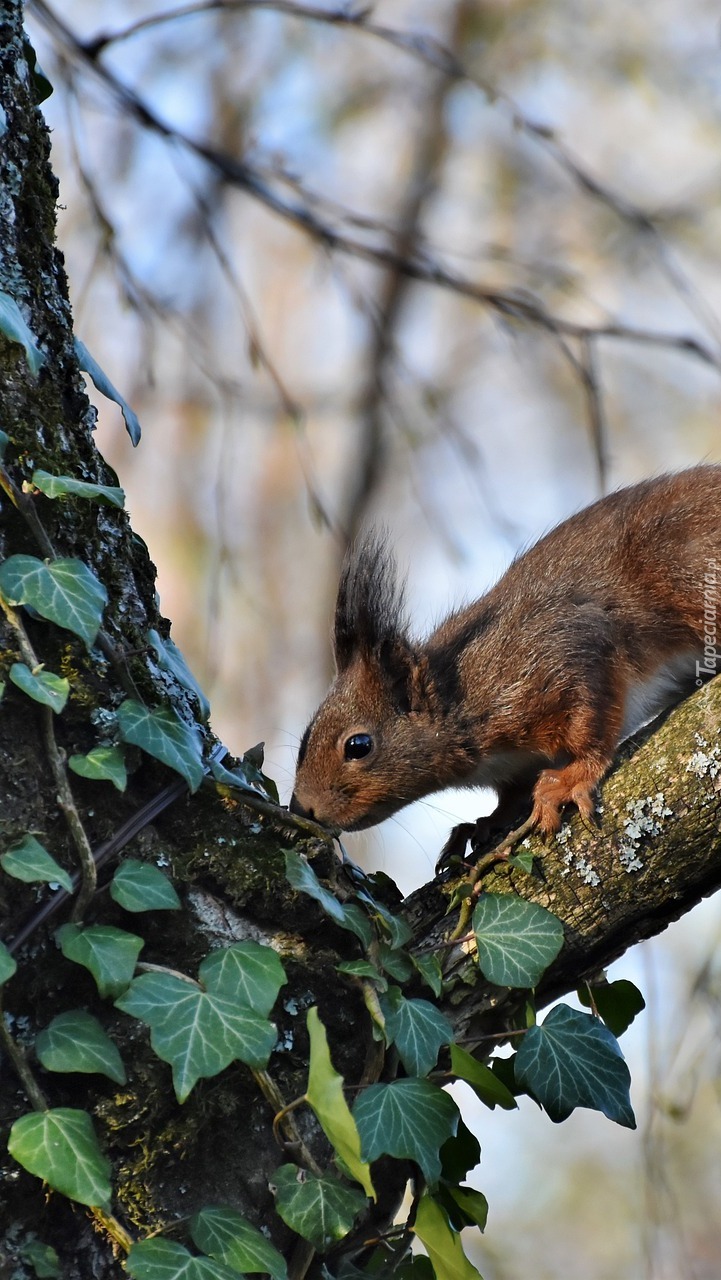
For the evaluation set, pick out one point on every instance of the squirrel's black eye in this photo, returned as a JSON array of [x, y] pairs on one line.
[[357, 746]]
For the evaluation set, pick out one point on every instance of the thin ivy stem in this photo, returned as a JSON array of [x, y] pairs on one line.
[[17, 1057]]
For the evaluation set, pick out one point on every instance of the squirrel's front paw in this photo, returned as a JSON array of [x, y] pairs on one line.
[[573, 784]]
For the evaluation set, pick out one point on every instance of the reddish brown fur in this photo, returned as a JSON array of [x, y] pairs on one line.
[[532, 681]]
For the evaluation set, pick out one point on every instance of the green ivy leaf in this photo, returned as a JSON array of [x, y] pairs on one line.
[[459, 1154], [171, 659], [30, 862], [197, 1032], [43, 1259], [65, 592], [399, 931], [160, 1259], [616, 1002], [482, 1080], [320, 1210], [442, 1243], [409, 1119], [248, 973], [139, 886], [16, 328], [465, 1206], [417, 1029], [68, 487], [60, 1147], [363, 969], [429, 967], [4, 442], [397, 964], [106, 388], [8, 964], [75, 1041], [325, 1095], [165, 737], [522, 860], [516, 940], [303, 879], [572, 1060], [102, 764], [110, 954], [42, 686], [228, 1237]]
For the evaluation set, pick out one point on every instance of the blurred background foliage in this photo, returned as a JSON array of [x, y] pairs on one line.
[[452, 267]]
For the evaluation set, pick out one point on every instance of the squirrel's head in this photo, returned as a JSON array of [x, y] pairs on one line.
[[365, 753]]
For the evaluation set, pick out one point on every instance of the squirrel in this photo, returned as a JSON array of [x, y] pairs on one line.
[[588, 635]]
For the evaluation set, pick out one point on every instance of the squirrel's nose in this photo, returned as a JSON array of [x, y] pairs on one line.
[[296, 807]]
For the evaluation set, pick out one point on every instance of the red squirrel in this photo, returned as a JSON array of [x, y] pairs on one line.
[[587, 635]]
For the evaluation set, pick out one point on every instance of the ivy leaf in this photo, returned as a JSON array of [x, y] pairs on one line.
[[16, 328], [160, 1259], [43, 1259], [110, 954], [417, 1029], [42, 686], [248, 973], [409, 1119], [397, 964], [429, 967], [572, 1060], [302, 878], [197, 1032], [442, 1243], [165, 737], [68, 487], [4, 442], [75, 1041], [60, 1146], [247, 776], [29, 861], [171, 659], [459, 1154], [320, 1210], [102, 764], [325, 1095], [139, 886], [399, 931], [464, 1206], [64, 591], [482, 1080], [522, 860], [516, 940], [227, 1236], [106, 388], [363, 969], [616, 1002], [8, 964]]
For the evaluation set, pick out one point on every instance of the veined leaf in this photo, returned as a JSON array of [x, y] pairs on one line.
[[516, 940], [409, 1119], [43, 1259], [42, 686], [75, 1041], [159, 1259], [30, 862], [68, 487], [417, 1029], [325, 1095], [139, 886], [171, 659], [616, 1002], [60, 1147], [228, 1237], [110, 954], [103, 764], [572, 1060], [321, 1210], [198, 1033], [303, 879], [247, 972], [64, 591], [165, 736]]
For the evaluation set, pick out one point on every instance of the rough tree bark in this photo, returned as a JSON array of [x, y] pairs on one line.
[[662, 807]]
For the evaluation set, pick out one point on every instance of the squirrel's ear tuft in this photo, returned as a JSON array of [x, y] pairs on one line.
[[370, 618]]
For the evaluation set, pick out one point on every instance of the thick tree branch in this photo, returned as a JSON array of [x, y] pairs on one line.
[[656, 854]]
